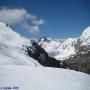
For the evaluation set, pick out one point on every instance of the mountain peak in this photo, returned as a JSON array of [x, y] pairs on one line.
[[8, 36], [86, 33]]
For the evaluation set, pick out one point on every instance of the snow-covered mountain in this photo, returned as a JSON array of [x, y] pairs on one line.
[[74, 51], [60, 49], [14, 50], [31, 75], [11, 43], [63, 49], [86, 33], [85, 37]]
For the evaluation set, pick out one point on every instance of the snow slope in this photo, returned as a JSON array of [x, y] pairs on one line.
[[11, 48], [85, 36], [41, 78], [86, 33], [8, 36]]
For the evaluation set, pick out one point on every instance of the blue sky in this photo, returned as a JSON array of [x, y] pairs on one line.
[[63, 18]]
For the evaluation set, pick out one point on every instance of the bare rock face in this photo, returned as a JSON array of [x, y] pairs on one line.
[[80, 61], [39, 54]]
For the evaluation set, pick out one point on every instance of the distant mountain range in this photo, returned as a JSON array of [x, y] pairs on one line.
[[74, 51], [64, 48]]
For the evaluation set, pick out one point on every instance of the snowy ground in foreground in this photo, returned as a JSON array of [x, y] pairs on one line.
[[42, 78]]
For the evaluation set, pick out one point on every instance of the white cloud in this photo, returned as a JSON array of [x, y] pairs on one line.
[[11, 16], [20, 16], [38, 22], [34, 29]]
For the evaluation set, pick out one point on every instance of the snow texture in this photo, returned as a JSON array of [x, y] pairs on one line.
[[41, 78], [11, 47], [60, 50], [85, 37]]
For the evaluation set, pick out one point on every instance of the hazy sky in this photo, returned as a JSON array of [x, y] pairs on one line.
[[54, 18]]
